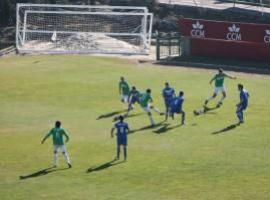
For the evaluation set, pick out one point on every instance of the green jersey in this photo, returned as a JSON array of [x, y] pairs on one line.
[[219, 80], [124, 87], [145, 99], [57, 135]]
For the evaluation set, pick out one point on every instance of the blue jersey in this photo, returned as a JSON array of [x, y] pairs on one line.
[[176, 104], [134, 96], [168, 93], [244, 98], [122, 128]]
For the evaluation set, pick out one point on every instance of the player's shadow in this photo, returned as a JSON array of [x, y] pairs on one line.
[[134, 115], [110, 114], [104, 166], [116, 118], [208, 110], [146, 128], [227, 128], [42, 172], [165, 128]]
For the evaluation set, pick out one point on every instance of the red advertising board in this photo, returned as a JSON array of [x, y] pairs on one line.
[[196, 28], [229, 49]]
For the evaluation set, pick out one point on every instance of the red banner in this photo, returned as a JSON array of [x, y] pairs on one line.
[[229, 49], [196, 28]]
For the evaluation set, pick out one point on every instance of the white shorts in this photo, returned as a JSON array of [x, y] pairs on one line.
[[147, 108], [217, 89], [124, 98], [61, 147]]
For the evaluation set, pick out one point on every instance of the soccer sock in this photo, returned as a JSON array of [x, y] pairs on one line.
[[55, 159], [183, 117], [156, 110], [127, 114], [239, 115], [118, 152], [66, 156], [210, 98], [166, 116], [125, 153], [151, 120], [221, 99]]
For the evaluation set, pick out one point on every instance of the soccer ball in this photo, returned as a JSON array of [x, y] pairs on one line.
[[116, 118]]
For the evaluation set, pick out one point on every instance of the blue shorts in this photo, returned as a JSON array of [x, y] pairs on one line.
[[134, 100], [122, 141], [242, 107], [175, 110], [167, 102]]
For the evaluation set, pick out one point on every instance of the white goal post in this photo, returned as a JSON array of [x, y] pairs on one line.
[[47, 28]]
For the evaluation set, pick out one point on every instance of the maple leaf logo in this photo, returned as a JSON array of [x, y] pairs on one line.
[[197, 26], [234, 29]]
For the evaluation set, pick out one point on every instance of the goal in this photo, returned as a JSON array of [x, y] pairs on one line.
[[46, 28]]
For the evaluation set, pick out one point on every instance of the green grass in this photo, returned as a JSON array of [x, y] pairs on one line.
[[187, 162]]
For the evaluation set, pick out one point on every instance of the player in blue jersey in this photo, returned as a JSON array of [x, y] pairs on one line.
[[176, 106], [122, 131], [168, 94], [133, 98], [242, 105]]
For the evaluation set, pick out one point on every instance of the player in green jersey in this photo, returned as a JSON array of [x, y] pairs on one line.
[[124, 90], [57, 134], [219, 86], [145, 101]]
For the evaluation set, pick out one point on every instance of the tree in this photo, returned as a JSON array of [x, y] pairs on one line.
[[5, 11]]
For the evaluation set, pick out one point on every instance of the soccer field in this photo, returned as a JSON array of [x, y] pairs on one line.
[[207, 159]]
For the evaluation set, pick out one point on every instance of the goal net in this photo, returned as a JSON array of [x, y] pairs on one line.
[[45, 28]]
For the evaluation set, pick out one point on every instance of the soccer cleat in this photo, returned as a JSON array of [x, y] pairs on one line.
[[152, 125], [219, 104], [195, 112], [241, 122], [205, 108], [69, 165], [55, 166], [115, 118]]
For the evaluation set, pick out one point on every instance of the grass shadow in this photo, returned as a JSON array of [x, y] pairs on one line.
[[116, 118], [134, 115], [110, 114], [210, 110], [165, 128], [42, 172], [104, 166], [206, 110], [146, 128], [226, 129]]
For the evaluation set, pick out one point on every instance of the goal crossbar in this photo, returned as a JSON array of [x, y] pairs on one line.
[[82, 6], [84, 13]]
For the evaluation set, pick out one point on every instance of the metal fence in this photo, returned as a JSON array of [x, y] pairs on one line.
[[262, 6], [265, 3], [168, 45]]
